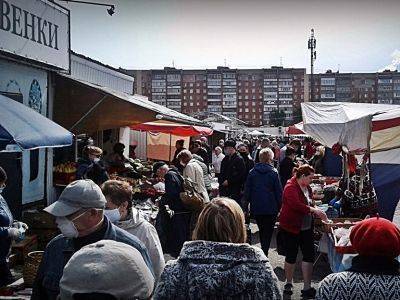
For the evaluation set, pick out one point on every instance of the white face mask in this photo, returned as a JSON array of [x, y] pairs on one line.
[[67, 227], [2, 189], [96, 160], [113, 215], [182, 164]]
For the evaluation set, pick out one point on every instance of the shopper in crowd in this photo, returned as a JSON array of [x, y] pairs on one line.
[[265, 143], [9, 231], [90, 165], [200, 151], [256, 146], [296, 228], [263, 191], [217, 264], [119, 210], [217, 158], [249, 147], [248, 161], [317, 161], [287, 165], [277, 151], [79, 213], [120, 163], [374, 273], [173, 219], [206, 172], [309, 148], [179, 146], [193, 171], [233, 173], [106, 270], [205, 145], [221, 143], [295, 144]]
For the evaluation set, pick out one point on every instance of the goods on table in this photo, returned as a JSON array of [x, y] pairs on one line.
[[357, 193], [341, 237], [339, 223], [64, 173]]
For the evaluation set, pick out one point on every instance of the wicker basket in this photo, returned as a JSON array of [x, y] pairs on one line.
[[339, 222], [31, 266]]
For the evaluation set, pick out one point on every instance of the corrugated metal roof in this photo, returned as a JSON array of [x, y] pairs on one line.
[[142, 101]]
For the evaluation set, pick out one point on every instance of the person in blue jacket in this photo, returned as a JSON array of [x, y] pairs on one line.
[[9, 230], [263, 191]]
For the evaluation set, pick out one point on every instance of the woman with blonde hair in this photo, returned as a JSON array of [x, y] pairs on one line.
[[218, 264]]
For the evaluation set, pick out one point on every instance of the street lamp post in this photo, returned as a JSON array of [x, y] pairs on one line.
[[312, 44]]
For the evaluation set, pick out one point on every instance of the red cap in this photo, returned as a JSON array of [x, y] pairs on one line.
[[376, 237]]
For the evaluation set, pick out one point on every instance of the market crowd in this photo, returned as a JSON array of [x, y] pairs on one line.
[[108, 250]]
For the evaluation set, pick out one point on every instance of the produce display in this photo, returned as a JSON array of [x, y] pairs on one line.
[[64, 173]]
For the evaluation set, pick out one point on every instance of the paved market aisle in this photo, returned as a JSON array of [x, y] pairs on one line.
[[321, 268]]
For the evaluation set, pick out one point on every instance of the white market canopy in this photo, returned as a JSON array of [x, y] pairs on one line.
[[256, 133], [353, 125]]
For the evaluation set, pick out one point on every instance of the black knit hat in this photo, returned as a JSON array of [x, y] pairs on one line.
[[230, 143]]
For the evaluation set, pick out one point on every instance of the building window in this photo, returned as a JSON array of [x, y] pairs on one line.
[[191, 91], [198, 91]]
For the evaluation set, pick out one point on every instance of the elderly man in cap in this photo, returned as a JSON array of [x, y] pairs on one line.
[[79, 216], [233, 173], [106, 270]]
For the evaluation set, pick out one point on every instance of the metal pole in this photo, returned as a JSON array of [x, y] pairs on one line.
[[312, 44], [88, 112]]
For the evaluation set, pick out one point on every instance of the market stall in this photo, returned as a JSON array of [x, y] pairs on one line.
[[162, 135], [367, 136]]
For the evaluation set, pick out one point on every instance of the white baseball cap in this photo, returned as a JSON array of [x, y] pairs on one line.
[[77, 195], [107, 267]]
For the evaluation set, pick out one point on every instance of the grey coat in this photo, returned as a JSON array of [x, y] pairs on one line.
[[211, 270]]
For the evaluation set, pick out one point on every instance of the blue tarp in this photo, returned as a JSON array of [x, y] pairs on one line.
[[386, 180], [28, 129]]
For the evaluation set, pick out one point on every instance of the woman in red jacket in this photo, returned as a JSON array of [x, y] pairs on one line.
[[296, 227]]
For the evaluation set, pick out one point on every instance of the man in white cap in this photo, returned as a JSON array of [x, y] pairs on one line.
[[79, 216], [105, 270]]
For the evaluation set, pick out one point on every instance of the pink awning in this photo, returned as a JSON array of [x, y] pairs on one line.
[[173, 128]]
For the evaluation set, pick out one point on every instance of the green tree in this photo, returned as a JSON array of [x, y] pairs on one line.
[[297, 117], [277, 117]]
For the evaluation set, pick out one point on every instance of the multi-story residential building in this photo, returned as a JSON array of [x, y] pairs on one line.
[[214, 91], [194, 93], [229, 93], [364, 88], [250, 96]]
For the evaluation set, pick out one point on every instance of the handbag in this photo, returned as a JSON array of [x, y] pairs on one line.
[[191, 198]]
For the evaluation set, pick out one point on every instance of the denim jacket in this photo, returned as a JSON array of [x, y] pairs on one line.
[[6, 220], [59, 251]]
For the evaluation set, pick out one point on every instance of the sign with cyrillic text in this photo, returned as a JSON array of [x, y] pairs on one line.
[[36, 30]]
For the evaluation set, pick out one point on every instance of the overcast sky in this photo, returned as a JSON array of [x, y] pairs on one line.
[[352, 35]]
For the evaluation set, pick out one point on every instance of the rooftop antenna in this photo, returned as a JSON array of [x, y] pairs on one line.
[[281, 63], [338, 68]]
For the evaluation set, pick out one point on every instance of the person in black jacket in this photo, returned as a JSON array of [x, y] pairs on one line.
[[173, 220], [233, 173], [91, 167], [287, 165], [200, 151], [248, 161]]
